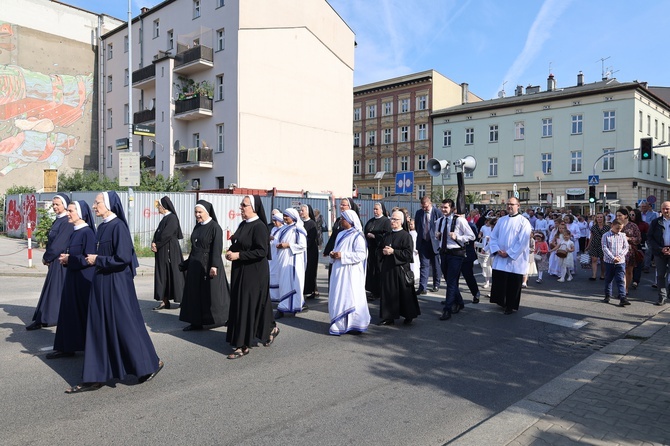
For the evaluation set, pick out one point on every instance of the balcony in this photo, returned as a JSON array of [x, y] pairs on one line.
[[145, 77], [144, 116], [193, 60], [190, 109], [148, 162], [194, 158]]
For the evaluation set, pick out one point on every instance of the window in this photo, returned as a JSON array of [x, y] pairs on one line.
[[220, 3], [446, 138], [403, 133], [219, 138], [372, 166], [357, 114], [469, 136], [126, 77], [422, 102], [196, 9], [656, 128], [357, 167], [518, 165], [422, 131], [196, 140], [157, 28], [388, 108], [609, 121], [468, 174], [388, 136], [576, 161], [493, 133], [109, 83], [608, 160], [387, 164], [219, 88], [110, 51], [357, 139], [547, 127], [109, 118], [404, 105], [110, 157], [648, 125], [546, 163], [577, 125], [640, 120], [221, 182], [420, 191], [372, 137], [220, 39], [404, 163], [387, 191], [126, 114], [170, 39], [493, 167], [519, 130], [421, 162], [372, 111]]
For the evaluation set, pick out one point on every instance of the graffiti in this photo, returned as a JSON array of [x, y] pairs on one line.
[[30, 209], [13, 216], [34, 110]]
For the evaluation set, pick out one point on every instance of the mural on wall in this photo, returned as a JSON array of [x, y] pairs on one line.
[[35, 110]]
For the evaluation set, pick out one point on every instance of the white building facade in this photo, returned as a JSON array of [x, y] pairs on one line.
[[255, 93], [547, 142]]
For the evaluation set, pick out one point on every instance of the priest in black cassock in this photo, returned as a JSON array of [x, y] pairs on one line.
[[207, 294], [71, 331], [375, 230], [398, 299], [58, 240], [250, 308], [168, 280], [117, 341], [307, 215]]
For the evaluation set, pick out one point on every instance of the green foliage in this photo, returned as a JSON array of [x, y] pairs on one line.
[[188, 88], [472, 197], [158, 183], [15, 190], [436, 196], [45, 220], [82, 181], [141, 251]]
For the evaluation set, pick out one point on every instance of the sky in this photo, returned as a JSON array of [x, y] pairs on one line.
[[495, 44]]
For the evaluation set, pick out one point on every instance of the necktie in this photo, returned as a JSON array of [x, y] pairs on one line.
[[426, 226], [445, 231]]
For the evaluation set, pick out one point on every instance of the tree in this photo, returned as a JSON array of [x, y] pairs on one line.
[[437, 197], [91, 181], [472, 197]]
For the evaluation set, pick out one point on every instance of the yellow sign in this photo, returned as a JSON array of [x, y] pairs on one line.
[[50, 180]]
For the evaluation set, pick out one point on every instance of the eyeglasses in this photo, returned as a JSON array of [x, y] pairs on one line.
[[395, 219], [244, 205]]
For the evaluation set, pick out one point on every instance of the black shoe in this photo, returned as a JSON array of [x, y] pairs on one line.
[[475, 299], [606, 300], [35, 326], [279, 314], [443, 302], [421, 291], [435, 289], [57, 354], [304, 309], [150, 376], [660, 302], [624, 302], [446, 315], [456, 308], [162, 306], [193, 327], [654, 286], [387, 322], [408, 321], [508, 312]]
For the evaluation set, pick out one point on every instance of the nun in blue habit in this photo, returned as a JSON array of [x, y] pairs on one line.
[[117, 341], [71, 331], [58, 240]]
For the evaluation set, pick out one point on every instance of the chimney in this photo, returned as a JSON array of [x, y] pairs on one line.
[[464, 93], [551, 83], [144, 10], [580, 79], [519, 90]]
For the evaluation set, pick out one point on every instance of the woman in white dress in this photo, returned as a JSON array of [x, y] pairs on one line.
[[416, 266]]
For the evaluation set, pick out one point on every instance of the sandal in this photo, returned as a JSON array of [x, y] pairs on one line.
[[84, 387], [238, 353], [273, 335]]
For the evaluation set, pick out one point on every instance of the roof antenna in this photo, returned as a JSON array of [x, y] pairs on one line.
[[501, 93], [604, 75]]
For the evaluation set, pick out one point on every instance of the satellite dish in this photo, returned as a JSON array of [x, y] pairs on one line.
[[175, 146], [501, 94]]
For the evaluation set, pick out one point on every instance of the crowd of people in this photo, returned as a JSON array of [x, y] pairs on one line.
[[90, 295]]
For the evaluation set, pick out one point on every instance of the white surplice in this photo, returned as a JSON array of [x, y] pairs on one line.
[[291, 263], [512, 235]]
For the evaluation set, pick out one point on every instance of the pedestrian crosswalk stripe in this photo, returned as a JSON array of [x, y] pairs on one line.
[[557, 320]]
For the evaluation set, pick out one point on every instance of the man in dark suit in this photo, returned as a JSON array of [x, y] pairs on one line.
[[658, 240], [427, 245]]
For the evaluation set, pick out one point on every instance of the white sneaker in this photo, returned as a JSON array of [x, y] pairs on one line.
[[523, 285], [486, 285], [561, 280], [569, 278]]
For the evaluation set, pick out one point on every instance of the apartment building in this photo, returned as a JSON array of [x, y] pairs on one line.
[[548, 142], [254, 93], [393, 129]]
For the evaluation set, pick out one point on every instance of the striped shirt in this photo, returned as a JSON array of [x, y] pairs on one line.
[[614, 245]]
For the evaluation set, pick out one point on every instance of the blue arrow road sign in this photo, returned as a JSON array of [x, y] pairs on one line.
[[594, 180], [404, 183]]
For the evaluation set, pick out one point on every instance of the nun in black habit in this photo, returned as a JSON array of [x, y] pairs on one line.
[[58, 240], [206, 295], [71, 331], [375, 230], [307, 215], [117, 341], [168, 280], [250, 308]]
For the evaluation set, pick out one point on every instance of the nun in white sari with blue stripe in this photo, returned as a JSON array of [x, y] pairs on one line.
[[347, 302], [291, 260]]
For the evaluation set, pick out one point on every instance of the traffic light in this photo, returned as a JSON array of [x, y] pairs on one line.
[[592, 194], [645, 148]]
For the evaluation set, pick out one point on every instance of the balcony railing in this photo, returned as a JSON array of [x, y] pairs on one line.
[[144, 75], [148, 162], [193, 158], [193, 108], [144, 116], [193, 60]]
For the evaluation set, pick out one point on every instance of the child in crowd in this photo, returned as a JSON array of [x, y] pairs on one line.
[[542, 255], [615, 248], [565, 244]]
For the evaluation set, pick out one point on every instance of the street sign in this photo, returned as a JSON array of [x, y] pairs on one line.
[[129, 169], [404, 183], [594, 180], [144, 130]]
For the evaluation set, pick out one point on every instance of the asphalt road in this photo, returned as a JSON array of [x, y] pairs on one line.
[[423, 384]]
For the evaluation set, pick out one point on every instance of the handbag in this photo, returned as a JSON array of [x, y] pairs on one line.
[[409, 277], [585, 261], [538, 257], [561, 253]]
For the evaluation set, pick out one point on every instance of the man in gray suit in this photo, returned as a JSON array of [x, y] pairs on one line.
[[428, 246]]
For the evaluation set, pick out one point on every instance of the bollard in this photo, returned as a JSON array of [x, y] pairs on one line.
[[30, 246]]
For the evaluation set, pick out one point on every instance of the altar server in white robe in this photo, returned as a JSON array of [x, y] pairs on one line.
[[291, 258], [347, 302], [277, 224], [509, 250]]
